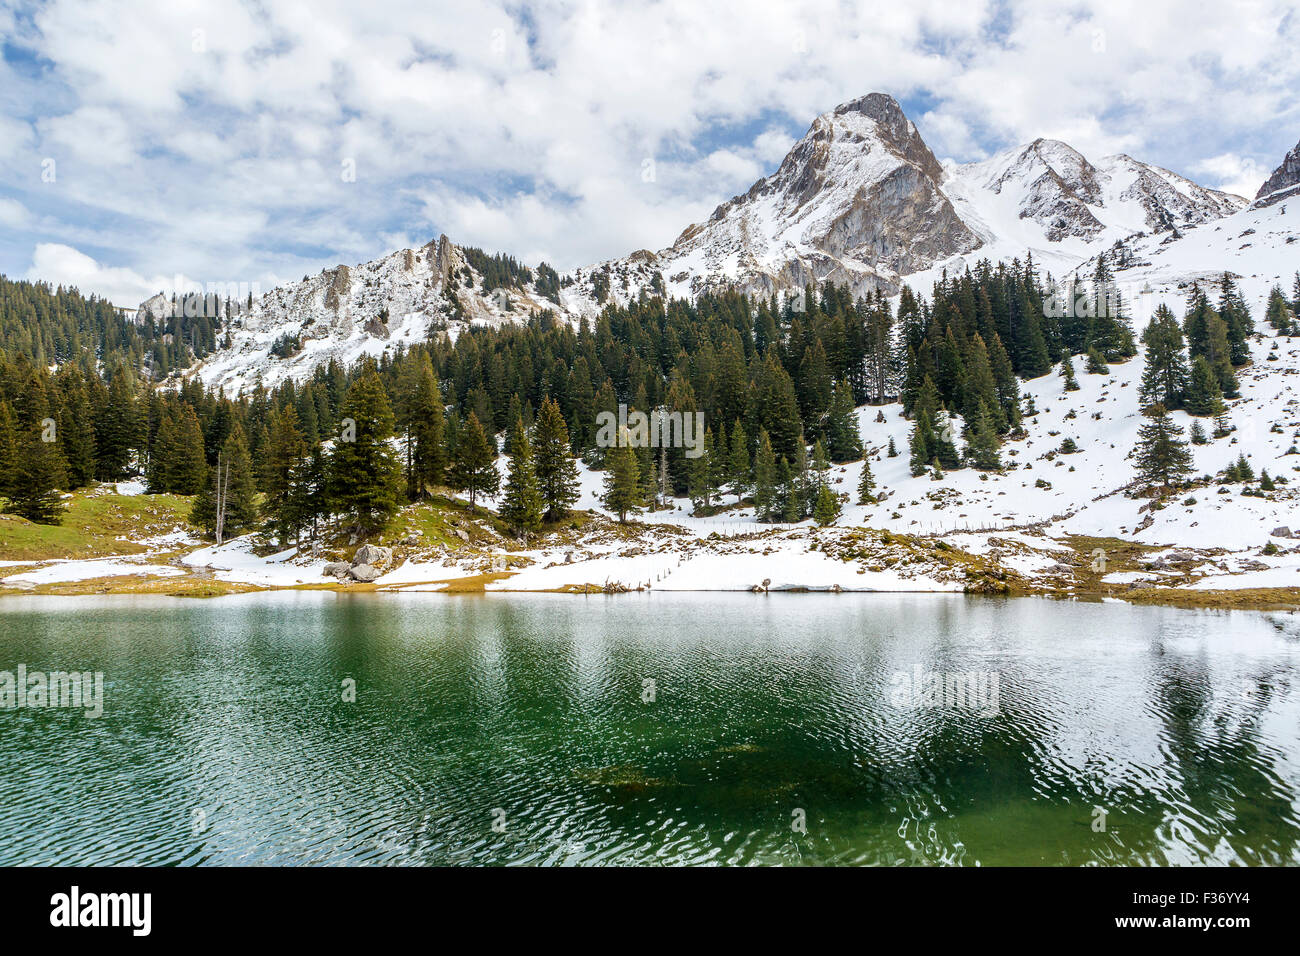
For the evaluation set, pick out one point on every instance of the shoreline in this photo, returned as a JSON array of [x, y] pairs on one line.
[[206, 587]]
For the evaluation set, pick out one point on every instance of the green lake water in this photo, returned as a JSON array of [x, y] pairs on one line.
[[651, 729]]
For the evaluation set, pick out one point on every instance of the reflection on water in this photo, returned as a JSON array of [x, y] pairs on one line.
[[654, 729]]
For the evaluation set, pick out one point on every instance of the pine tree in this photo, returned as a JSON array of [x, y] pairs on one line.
[[764, 478], [236, 509], [922, 444], [33, 492], [821, 466], [1278, 314], [557, 472], [474, 469], [1265, 482], [700, 472], [1244, 471], [866, 484], [1096, 363], [790, 492], [1162, 457], [285, 456], [827, 506], [842, 440], [738, 471], [190, 470], [982, 449], [1203, 394], [622, 479], [365, 475], [1165, 377], [8, 450], [521, 505], [1197, 434], [1067, 373], [427, 430]]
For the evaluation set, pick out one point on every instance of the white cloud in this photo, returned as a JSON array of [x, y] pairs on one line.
[[64, 266], [208, 136], [1233, 174], [13, 214]]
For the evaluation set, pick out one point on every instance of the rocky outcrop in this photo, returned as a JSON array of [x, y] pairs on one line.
[[1283, 181], [368, 564]]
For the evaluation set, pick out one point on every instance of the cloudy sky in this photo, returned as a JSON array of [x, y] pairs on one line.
[[260, 140]]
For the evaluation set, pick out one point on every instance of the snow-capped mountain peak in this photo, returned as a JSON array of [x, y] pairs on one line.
[[860, 200]]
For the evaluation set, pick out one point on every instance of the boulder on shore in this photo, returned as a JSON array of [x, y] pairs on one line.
[[364, 573], [337, 569], [372, 555]]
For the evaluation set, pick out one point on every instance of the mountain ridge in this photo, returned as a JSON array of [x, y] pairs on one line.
[[860, 200]]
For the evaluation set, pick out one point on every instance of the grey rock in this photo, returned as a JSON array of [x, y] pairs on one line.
[[337, 569], [1284, 177], [1281, 532], [372, 554], [364, 573]]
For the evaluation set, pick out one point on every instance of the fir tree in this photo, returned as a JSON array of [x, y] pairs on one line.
[[1067, 373], [233, 477], [866, 484], [700, 473], [427, 431], [827, 506], [33, 491], [8, 450], [764, 477], [285, 455], [842, 440], [521, 505], [1165, 377], [738, 471], [557, 472], [982, 449], [1203, 394], [622, 479], [365, 474], [1096, 363], [474, 468], [1161, 455]]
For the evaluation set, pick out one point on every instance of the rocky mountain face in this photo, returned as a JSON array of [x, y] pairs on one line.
[[1056, 187], [860, 200], [856, 201], [1284, 180], [350, 311]]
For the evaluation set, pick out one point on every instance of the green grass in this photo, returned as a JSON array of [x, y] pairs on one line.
[[92, 525]]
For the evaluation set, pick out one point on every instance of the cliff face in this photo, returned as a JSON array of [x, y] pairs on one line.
[[1285, 178]]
